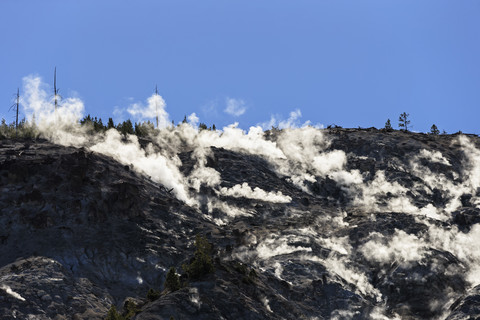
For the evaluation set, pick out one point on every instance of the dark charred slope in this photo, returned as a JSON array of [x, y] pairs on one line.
[[104, 230], [80, 232]]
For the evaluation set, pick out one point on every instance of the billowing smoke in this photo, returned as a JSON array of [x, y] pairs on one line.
[[301, 155], [401, 247], [56, 123], [193, 119], [244, 190], [146, 161], [293, 121], [153, 110], [462, 245], [235, 107]]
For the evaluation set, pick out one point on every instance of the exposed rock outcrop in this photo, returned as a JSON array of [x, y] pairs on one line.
[[372, 224]]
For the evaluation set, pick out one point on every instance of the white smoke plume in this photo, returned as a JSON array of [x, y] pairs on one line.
[[195, 297], [343, 267], [378, 313], [468, 184], [152, 164], [154, 108], [9, 291], [433, 156], [472, 165], [292, 122], [244, 190], [278, 245], [204, 175], [462, 245], [343, 314], [402, 247], [193, 119], [229, 210], [235, 107], [59, 125], [266, 304], [302, 155]]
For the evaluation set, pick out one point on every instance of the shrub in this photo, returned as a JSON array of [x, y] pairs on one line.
[[249, 276], [172, 281], [153, 295], [113, 314], [202, 263], [24, 130], [240, 267], [130, 309]]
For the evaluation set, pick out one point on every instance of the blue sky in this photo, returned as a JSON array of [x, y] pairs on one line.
[[350, 63]]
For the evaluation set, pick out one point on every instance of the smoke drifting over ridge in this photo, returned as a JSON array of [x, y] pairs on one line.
[[303, 156], [155, 108]]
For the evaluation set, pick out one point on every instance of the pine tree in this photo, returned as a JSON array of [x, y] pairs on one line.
[[113, 314], [153, 294], [434, 130], [3, 129], [110, 124], [126, 127], [86, 120], [99, 125], [140, 131], [388, 125], [202, 262], [202, 126], [172, 281], [403, 121]]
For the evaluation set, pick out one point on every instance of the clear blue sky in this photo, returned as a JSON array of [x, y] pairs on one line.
[[351, 63]]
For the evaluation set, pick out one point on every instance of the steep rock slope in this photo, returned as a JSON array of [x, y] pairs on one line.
[[348, 224]]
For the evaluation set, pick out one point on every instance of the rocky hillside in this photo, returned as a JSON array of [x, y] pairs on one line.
[[301, 224]]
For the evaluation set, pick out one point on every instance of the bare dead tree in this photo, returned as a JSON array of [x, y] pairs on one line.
[[403, 121], [156, 105], [163, 188], [55, 91], [15, 107]]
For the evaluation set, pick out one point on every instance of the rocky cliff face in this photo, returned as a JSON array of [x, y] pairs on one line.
[[304, 224]]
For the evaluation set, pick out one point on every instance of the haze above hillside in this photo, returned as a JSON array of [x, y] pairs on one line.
[[348, 63]]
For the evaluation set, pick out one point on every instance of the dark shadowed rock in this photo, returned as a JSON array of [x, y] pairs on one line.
[[466, 307], [80, 232]]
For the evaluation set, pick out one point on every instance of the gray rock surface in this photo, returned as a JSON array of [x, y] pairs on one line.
[[80, 232]]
